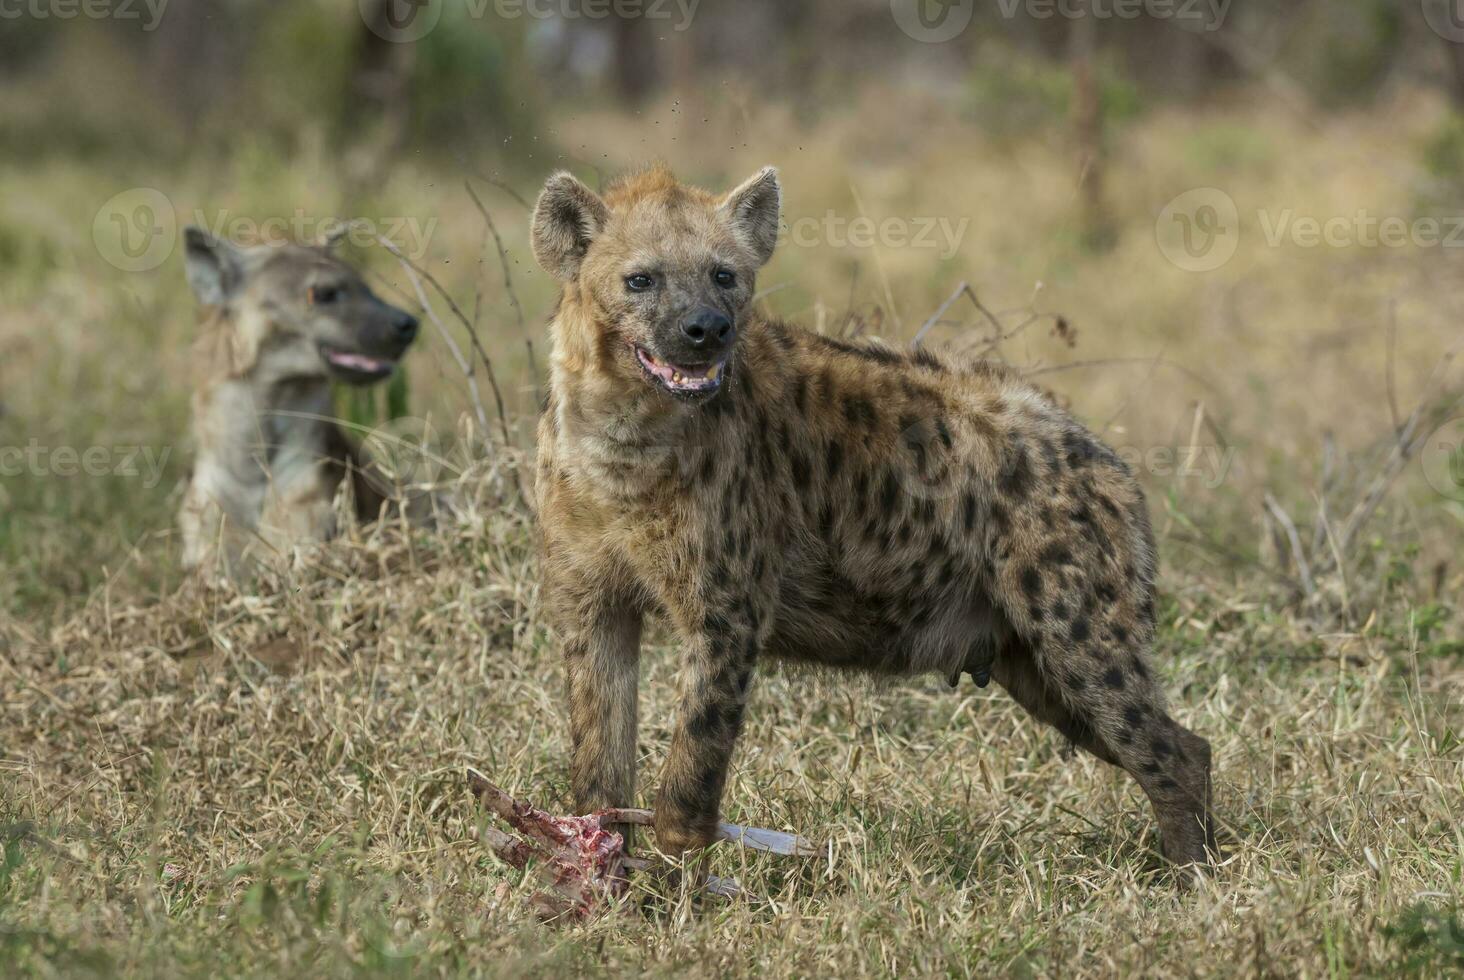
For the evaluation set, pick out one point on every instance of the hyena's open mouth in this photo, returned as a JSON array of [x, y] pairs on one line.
[[354, 367], [697, 379]]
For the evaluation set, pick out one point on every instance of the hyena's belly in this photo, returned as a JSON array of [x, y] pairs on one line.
[[832, 621]]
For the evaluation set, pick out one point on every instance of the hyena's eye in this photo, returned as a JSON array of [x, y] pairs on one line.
[[319, 295], [725, 278], [639, 283]]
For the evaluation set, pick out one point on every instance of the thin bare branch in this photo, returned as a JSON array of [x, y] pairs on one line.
[[1303, 567]]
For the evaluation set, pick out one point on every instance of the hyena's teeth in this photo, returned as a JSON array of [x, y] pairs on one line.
[[712, 374], [676, 377]]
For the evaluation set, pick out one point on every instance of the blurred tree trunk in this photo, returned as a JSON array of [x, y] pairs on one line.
[[382, 75], [1088, 125], [1456, 69], [636, 70], [186, 56], [375, 119]]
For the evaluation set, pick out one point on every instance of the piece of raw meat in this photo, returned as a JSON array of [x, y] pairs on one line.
[[585, 860]]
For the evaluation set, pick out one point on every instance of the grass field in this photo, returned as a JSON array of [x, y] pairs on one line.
[[197, 782]]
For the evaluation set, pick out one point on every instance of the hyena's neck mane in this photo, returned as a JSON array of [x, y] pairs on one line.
[[244, 420]]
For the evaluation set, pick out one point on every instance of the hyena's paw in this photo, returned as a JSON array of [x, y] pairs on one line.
[[675, 837]]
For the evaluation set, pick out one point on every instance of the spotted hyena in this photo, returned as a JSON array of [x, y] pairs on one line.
[[773, 492], [281, 322]]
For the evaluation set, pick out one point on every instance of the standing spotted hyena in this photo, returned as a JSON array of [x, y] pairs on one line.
[[775, 492]]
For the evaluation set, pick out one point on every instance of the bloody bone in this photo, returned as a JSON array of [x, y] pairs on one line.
[[585, 859]]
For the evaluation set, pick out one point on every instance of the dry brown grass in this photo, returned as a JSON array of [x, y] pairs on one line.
[[272, 783]]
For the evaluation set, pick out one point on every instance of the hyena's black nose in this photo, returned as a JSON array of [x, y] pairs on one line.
[[707, 330], [405, 326]]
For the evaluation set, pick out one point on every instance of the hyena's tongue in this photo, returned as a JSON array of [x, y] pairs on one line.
[[679, 379], [357, 362]]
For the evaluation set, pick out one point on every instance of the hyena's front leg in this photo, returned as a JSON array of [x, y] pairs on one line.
[[602, 661], [715, 682]]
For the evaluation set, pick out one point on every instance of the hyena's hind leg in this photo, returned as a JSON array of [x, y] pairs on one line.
[[1105, 700], [1015, 671]]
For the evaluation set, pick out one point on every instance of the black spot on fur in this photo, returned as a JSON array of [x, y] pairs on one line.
[[926, 359], [943, 433], [1016, 478], [1078, 632], [1080, 449], [1032, 583], [706, 723], [870, 352], [968, 505], [1133, 716], [1056, 554], [834, 459], [799, 466], [1114, 678], [780, 336], [998, 516], [860, 411], [890, 494], [800, 394]]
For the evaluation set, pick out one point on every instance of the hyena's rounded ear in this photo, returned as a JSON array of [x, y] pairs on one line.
[[754, 210], [567, 218], [215, 267]]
